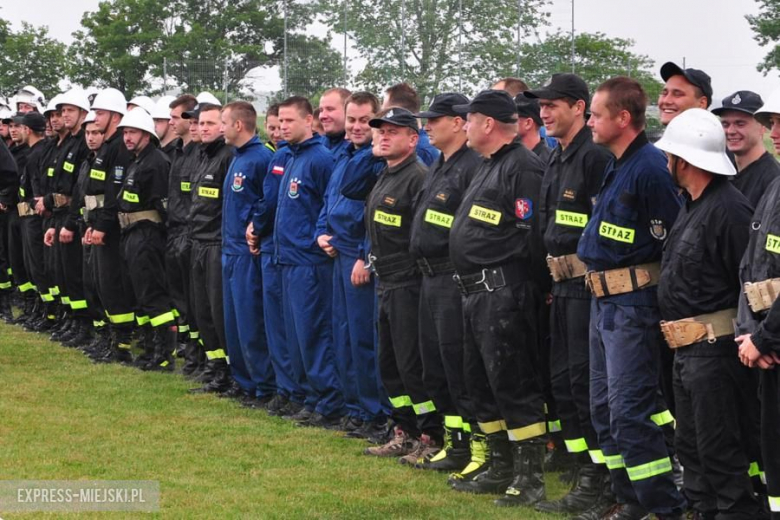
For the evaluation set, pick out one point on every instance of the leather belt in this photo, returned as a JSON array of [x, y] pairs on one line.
[[391, 264], [435, 266], [623, 280], [566, 267], [25, 210], [761, 295], [125, 219], [709, 327], [61, 200], [489, 279]]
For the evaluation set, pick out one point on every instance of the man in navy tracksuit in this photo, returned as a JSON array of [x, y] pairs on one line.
[[341, 234], [331, 116], [307, 272], [250, 363], [621, 246], [290, 384]]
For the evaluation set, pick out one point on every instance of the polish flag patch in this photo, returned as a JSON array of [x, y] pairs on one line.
[[278, 170]]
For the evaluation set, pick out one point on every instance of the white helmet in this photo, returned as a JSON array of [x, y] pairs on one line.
[[76, 97], [31, 96], [697, 136], [6, 113], [208, 98], [162, 109], [90, 117], [770, 106], [141, 120], [144, 102], [52, 106], [112, 100], [4, 104]]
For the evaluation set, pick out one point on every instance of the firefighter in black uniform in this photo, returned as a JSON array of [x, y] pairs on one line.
[[716, 399], [64, 236], [141, 213], [205, 227], [756, 168], [33, 128], [9, 181], [388, 220], [571, 181], [103, 232], [529, 124], [758, 326], [177, 252], [441, 315], [496, 248]]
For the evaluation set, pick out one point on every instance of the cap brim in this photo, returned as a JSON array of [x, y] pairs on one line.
[[191, 114], [376, 123], [544, 94], [431, 115], [718, 111], [670, 69]]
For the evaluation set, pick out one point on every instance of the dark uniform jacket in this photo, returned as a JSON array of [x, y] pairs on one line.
[[762, 262], [437, 202], [9, 178], [569, 188], [75, 220], [183, 169], [205, 218], [754, 180], [145, 186], [700, 267], [636, 206], [31, 176], [497, 222], [105, 178], [66, 168], [543, 151], [388, 216]]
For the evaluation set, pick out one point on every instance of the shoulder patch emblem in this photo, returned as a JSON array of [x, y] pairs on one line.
[[524, 208], [238, 182], [569, 194], [657, 229]]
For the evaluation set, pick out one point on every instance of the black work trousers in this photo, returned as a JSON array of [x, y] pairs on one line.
[[717, 406], [143, 248], [178, 267], [501, 360], [208, 306], [113, 280], [441, 346], [770, 433], [69, 270], [32, 242], [400, 364]]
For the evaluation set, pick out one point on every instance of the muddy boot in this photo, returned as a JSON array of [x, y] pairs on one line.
[[400, 445]]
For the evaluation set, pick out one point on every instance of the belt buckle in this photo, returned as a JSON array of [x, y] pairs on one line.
[[484, 281], [370, 265], [456, 278]]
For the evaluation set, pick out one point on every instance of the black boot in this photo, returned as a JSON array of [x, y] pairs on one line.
[[146, 342], [36, 312], [587, 491], [603, 505], [527, 486], [455, 454], [5, 307], [100, 343], [220, 381], [66, 330], [82, 335], [164, 339], [499, 473], [478, 461], [119, 346], [27, 308], [191, 358]]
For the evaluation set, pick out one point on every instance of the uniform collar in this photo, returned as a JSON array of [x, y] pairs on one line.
[[636, 144], [213, 147], [715, 184], [254, 141], [409, 160], [583, 136]]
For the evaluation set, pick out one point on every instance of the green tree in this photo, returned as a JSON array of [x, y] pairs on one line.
[[596, 59], [30, 57], [443, 40], [766, 25]]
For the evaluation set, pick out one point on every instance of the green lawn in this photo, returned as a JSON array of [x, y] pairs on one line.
[[64, 418]]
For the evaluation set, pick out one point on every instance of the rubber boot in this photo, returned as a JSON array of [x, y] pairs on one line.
[[527, 486], [164, 339], [586, 492], [220, 382], [478, 462], [499, 473], [455, 454]]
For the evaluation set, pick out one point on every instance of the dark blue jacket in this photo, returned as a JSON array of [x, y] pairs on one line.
[[341, 217], [300, 200], [243, 193], [634, 211], [265, 211], [337, 144], [425, 150]]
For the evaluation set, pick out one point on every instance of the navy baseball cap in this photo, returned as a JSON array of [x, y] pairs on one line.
[[528, 107], [695, 77], [396, 116], [563, 85], [443, 105]]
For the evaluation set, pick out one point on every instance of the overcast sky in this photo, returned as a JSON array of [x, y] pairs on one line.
[[712, 35]]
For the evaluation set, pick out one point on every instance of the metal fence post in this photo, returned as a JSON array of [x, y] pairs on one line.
[[284, 79], [165, 76], [225, 80], [346, 74]]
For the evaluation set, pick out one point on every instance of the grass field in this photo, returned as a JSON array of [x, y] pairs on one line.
[[64, 418]]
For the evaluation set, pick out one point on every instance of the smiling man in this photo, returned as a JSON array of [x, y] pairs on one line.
[[683, 89], [756, 168], [331, 117]]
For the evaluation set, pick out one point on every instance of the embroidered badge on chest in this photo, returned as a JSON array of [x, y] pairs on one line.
[[293, 192], [238, 182]]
